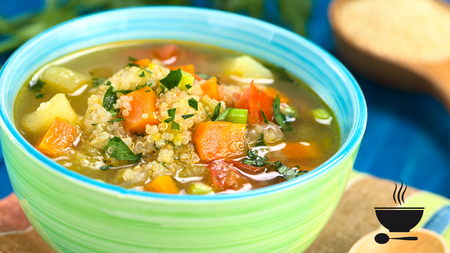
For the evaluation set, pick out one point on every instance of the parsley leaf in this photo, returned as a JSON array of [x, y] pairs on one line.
[[216, 112], [105, 167], [108, 83], [193, 103], [260, 142], [187, 116], [109, 100], [132, 64], [171, 112], [132, 59], [93, 124], [125, 92], [279, 117], [264, 117], [175, 126], [172, 79], [98, 81], [255, 160], [203, 76], [224, 115], [142, 74], [287, 172], [115, 120], [39, 95], [122, 151], [188, 86], [36, 88]]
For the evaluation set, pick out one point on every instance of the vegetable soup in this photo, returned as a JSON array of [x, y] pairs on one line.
[[175, 118]]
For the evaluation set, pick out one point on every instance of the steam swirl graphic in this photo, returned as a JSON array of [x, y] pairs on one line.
[[400, 199]]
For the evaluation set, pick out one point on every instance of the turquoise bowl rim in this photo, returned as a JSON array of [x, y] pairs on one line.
[[347, 80]]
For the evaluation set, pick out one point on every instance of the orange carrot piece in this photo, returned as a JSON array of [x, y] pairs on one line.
[[255, 101], [58, 138], [216, 140], [297, 151], [162, 184], [143, 109], [210, 88], [143, 62], [273, 93], [186, 68], [301, 150]]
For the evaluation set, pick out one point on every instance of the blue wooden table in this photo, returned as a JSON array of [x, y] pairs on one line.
[[407, 136]]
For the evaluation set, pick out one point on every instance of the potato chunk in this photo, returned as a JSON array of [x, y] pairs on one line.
[[64, 79], [40, 120], [247, 67]]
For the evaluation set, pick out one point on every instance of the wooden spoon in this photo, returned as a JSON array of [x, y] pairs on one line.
[[427, 241], [433, 78]]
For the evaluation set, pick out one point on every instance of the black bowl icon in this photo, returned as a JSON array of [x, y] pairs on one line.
[[399, 219]]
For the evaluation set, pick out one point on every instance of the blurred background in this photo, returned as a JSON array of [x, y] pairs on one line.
[[407, 136]]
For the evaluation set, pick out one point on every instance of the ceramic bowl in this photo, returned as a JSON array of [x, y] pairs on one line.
[[73, 213]]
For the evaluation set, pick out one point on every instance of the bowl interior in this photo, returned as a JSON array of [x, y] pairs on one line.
[[322, 72]]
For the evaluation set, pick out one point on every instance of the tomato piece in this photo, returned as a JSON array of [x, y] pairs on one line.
[[255, 101], [225, 176]]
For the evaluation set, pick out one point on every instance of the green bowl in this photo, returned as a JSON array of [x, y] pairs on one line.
[[73, 213]]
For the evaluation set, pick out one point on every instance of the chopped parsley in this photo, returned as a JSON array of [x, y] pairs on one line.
[[187, 116], [264, 117], [171, 119], [108, 83], [188, 86], [255, 160], [215, 113], [279, 117], [36, 88], [105, 167], [115, 120], [132, 64], [172, 79], [93, 124], [130, 58], [288, 173], [109, 100], [121, 150], [203, 76], [260, 142], [142, 74], [223, 116], [163, 89], [193, 103], [98, 81]]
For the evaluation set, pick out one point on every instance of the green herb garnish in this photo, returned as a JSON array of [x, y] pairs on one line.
[[121, 150], [264, 117], [223, 116], [279, 117], [108, 83], [188, 86], [93, 124], [172, 79], [174, 126], [203, 76], [132, 64], [36, 88], [187, 116], [193, 103], [255, 160], [171, 119], [142, 74], [288, 173], [98, 81], [260, 142], [105, 167], [109, 100], [115, 120], [132, 59], [216, 112]]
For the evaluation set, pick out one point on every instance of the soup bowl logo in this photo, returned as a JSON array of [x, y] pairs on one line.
[[398, 219]]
